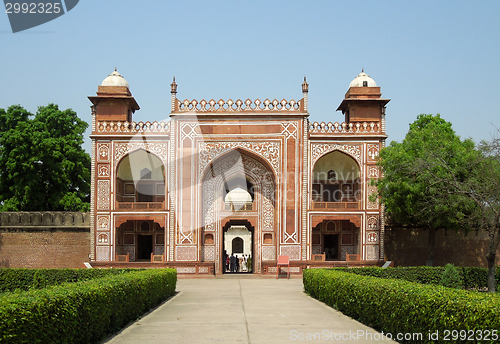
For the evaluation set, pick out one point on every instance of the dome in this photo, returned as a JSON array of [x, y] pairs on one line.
[[115, 79], [359, 81], [238, 195]]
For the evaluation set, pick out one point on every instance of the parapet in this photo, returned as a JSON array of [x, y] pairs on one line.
[[40, 220], [238, 106]]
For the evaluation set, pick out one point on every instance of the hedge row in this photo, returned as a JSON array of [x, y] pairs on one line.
[[402, 307], [471, 276], [82, 312], [25, 279]]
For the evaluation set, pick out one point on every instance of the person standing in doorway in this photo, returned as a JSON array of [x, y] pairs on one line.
[[232, 262]]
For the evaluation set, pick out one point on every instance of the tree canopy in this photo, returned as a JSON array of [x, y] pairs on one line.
[[412, 194], [44, 166], [434, 179]]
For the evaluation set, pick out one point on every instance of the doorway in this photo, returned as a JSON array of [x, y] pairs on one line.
[[238, 248], [331, 249], [144, 246]]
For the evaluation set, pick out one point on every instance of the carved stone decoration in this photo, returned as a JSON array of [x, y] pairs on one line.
[[347, 250], [186, 270], [188, 130], [207, 253], [185, 253], [103, 194], [316, 250], [268, 252], [373, 172], [320, 149], [372, 237], [247, 166], [289, 130], [373, 223], [102, 239], [291, 251], [103, 170], [373, 152], [372, 252], [131, 251], [209, 151], [122, 149], [102, 222], [102, 253], [372, 190], [103, 152]]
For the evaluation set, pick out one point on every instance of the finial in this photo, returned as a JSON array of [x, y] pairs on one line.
[[362, 70], [115, 69], [305, 86], [173, 87]]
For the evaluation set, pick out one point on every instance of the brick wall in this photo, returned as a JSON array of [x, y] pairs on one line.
[[408, 247], [44, 240]]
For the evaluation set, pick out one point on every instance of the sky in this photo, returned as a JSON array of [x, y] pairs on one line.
[[427, 56]]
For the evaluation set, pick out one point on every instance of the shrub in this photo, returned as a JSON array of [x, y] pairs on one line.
[[26, 279], [398, 306], [472, 277], [451, 277], [82, 312]]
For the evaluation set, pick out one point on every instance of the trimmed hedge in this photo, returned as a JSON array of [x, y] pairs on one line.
[[471, 276], [398, 306], [26, 279], [83, 312]]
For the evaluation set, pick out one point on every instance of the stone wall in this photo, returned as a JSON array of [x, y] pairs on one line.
[[408, 247], [44, 239]]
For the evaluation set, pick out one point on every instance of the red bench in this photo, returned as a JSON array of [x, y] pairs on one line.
[[283, 261]]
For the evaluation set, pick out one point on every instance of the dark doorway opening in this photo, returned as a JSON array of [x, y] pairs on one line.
[[331, 248], [144, 246], [236, 245]]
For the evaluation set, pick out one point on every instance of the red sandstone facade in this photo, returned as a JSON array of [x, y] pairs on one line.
[[173, 191]]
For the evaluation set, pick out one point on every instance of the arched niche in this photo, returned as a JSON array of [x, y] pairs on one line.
[[140, 177], [336, 178], [238, 194]]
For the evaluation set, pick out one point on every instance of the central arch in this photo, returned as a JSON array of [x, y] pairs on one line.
[[254, 180]]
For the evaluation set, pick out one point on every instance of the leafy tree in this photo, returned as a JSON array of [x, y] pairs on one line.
[[43, 164], [412, 194], [479, 182]]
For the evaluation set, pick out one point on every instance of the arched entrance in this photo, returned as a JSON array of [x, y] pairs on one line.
[[140, 182], [237, 242], [238, 185], [140, 238]]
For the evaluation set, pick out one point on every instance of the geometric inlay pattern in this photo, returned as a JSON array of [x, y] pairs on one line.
[[209, 151], [102, 253], [159, 149], [103, 194], [268, 253], [372, 252], [320, 149], [185, 253], [293, 252]]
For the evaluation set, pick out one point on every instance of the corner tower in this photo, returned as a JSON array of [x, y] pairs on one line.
[[363, 102], [114, 102]]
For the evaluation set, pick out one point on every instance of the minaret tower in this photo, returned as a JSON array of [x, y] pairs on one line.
[[363, 102], [114, 102]]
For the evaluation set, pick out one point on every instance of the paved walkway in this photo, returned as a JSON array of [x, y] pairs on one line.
[[242, 310]]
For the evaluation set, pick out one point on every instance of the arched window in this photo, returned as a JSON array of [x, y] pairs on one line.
[[336, 178], [237, 245]]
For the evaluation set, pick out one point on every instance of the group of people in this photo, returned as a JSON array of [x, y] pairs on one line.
[[238, 264]]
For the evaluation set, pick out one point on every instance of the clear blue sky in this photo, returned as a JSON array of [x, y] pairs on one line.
[[427, 56]]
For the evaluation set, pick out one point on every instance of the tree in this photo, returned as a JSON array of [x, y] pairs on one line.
[[412, 194], [43, 164], [479, 182]]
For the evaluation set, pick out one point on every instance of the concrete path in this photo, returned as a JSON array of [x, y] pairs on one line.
[[242, 310]]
